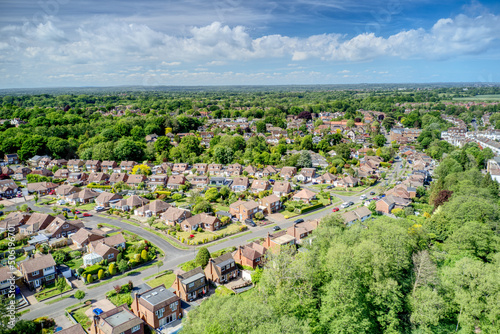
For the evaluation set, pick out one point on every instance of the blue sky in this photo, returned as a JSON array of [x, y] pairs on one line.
[[59, 43]]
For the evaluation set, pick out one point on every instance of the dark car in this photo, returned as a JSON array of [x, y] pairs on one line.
[[351, 203], [299, 221], [250, 222], [1, 213], [330, 187], [66, 209], [372, 193], [276, 228]]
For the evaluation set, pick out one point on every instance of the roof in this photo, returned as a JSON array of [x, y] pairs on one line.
[[281, 186], [174, 213], [223, 260], [305, 193], [240, 181], [271, 199], [157, 295], [82, 234], [192, 275], [38, 263], [106, 197], [118, 320], [5, 273], [75, 329], [249, 205], [283, 239]]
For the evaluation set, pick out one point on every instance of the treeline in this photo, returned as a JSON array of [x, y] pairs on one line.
[[439, 274]]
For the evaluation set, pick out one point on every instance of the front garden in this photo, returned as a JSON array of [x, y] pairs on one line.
[[201, 236], [50, 291]]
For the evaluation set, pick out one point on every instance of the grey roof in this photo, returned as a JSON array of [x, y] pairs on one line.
[[193, 278], [157, 295], [119, 318]]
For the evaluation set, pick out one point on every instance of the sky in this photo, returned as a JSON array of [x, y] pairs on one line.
[[81, 43]]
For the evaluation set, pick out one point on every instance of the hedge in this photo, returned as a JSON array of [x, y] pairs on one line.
[[312, 207], [98, 186], [163, 192], [93, 269]]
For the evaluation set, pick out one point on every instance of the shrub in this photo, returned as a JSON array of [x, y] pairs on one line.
[[100, 274], [176, 197], [144, 255], [117, 288], [259, 216], [398, 212], [119, 256], [79, 294], [92, 270], [75, 254], [90, 278], [112, 268]]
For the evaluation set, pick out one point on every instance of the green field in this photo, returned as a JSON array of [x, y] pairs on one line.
[[479, 98]]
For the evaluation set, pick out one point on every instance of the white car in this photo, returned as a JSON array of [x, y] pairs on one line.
[[362, 197], [345, 205]]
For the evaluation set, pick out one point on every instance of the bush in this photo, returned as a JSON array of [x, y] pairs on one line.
[[100, 274], [79, 294], [92, 270], [119, 256], [144, 255], [259, 215], [398, 212], [312, 207], [112, 268], [176, 197], [90, 278], [75, 254]]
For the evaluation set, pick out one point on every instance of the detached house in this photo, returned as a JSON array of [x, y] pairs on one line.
[[60, 228], [347, 181], [75, 165], [98, 178], [85, 196], [327, 178], [93, 166], [62, 173], [66, 190], [200, 169], [239, 184], [282, 188], [270, 171], [215, 169], [301, 230], [271, 203], [175, 216], [127, 166], [37, 222], [158, 180], [154, 208], [105, 198], [244, 209], [38, 271], [362, 214], [251, 170], [274, 242], [221, 269], [250, 255], [234, 170], [119, 320], [259, 185], [57, 163], [83, 237], [288, 172], [8, 187], [136, 180], [108, 166], [118, 177], [206, 222], [175, 181], [200, 181], [21, 172], [305, 195], [190, 285], [180, 168], [78, 177], [42, 188], [157, 307], [11, 158], [306, 174]]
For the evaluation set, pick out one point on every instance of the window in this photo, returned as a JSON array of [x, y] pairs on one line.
[[190, 285], [35, 273], [159, 313], [232, 264], [136, 328], [202, 280], [111, 256], [48, 278], [173, 306]]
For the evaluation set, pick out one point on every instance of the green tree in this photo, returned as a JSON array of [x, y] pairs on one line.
[[112, 268], [144, 255], [61, 284], [122, 266], [379, 140], [304, 160], [79, 294], [100, 274], [307, 143], [261, 127], [202, 257]]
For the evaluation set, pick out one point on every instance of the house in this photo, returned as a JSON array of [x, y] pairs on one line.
[[301, 230], [127, 166], [103, 250], [57, 163], [157, 307], [136, 180], [6, 280], [327, 178], [175, 181], [108, 166], [105, 198], [38, 271], [130, 203], [274, 242], [221, 269], [362, 214], [83, 237], [11, 158], [306, 175], [6, 170], [158, 180], [190, 285], [76, 165], [403, 192], [180, 168], [13, 221], [65, 190], [152, 209], [215, 169], [217, 181], [42, 172], [347, 181], [251, 170], [77, 177], [175, 216], [8, 188], [75, 329], [62, 173], [37, 222], [388, 203], [116, 241], [118, 177], [21, 172], [119, 320], [271, 203], [288, 172], [151, 139], [44, 162], [199, 181], [85, 196], [98, 178], [234, 170], [259, 185], [93, 166], [239, 184], [35, 160], [244, 209], [250, 255], [282, 188], [200, 169], [305, 195], [60, 228], [203, 220], [269, 171]]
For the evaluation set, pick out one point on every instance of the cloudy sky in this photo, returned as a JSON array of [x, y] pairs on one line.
[[58, 43]]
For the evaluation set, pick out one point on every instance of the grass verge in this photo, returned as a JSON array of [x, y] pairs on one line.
[[167, 239]]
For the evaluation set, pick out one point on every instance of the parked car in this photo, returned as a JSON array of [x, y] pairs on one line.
[[362, 197], [335, 209], [61, 202], [375, 198], [77, 212], [234, 220], [297, 221], [98, 208], [315, 183], [86, 214], [372, 193], [1, 213], [344, 205], [276, 228], [330, 187], [351, 203], [66, 209], [250, 222]]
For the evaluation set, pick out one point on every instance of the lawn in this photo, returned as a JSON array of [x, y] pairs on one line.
[[120, 298], [167, 279], [75, 263], [89, 206], [223, 291], [80, 316], [220, 207], [49, 291], [208, 235]]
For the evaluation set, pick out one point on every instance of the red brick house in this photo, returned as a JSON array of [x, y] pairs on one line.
[[250, 255], [221, 269], [157, 306], [38, 271], [119, 320], [190, 285]]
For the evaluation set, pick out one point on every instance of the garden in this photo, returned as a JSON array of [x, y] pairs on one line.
[[201, 236], [121, 294], [49, 291], [166, 277]]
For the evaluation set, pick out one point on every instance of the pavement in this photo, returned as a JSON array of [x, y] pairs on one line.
[[174, 257]]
